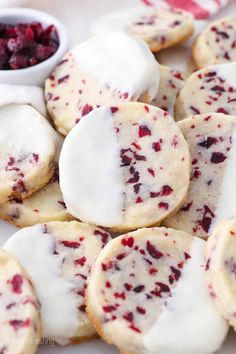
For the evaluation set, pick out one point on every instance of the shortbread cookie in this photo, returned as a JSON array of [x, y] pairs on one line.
[[99, 72], [140, 295], [124, 167], [20, 319], [160, 28], [22, 94], [171, 82], [220, 268], [217, 43], [63, 254], [212, 143], [212, 89], [28, 147], [43, 206]]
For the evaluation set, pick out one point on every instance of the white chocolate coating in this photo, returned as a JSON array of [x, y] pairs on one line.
[[22, 94], [34, 249], [225, 207], [184, 328], [105, 57], [85, 191]]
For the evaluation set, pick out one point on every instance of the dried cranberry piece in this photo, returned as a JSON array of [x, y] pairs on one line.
[[143, 131], [207, 143], [218, 157], [153, 251], [16, 283]]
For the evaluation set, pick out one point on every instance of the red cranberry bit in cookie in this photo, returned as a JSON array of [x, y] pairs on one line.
[[16, 284], [25, 45]]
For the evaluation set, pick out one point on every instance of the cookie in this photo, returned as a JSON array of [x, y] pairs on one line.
[[98, 72], [43, 206], [212, 89], [115, 171], [22, 94], [212, 142], [216, 44], [20, 319], [140, 295], [171, 82], [160, 28], [28, 147], [220, 268], [59, 267]]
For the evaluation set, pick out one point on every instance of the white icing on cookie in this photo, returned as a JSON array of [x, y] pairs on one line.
[[225, 207], [196, 323], [134, 74], [120, 20], [34, 249], [23, 129], [87, 188], [227, 72], [21, 94]]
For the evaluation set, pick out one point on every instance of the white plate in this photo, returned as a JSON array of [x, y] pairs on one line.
[[76, 15]]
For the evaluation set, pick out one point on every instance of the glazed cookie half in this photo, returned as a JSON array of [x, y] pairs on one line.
[[99, 72], [220, 268], [171, 82], [115, 168], [22, 94], [140, 295], [20, 318], [212, 142], [43, 206], [28, 148], [160, 28], [64, 254], [217, 43], [212, 89]]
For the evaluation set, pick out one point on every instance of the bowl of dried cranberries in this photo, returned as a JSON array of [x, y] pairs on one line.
[[32, 42]]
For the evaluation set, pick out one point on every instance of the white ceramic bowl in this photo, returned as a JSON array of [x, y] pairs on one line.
[[34, 75]]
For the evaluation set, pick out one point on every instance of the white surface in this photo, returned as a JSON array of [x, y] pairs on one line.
[[123, 63], [77, 18], [225, 72], [93, 143], [58, 313], [181, 322]]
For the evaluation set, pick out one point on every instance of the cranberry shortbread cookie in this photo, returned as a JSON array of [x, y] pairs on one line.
[[22, 94], [216, 44], [140, 295], [212, 142], [160, 28], [220, 268], [212, 89], [43, 206], [20, 310], [28, 149], [124, 167], [171, 82], [99, 72], [59, 267]]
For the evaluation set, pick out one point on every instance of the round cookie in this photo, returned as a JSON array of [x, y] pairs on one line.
[[19, 307], [28, 148], [171, 82], [22, 94], [140, 295], [98, 72], [43, 206], [160, 28], [212, 89], [216, 44], [115, 171], [220, 268], [64, 254], [212, 142]]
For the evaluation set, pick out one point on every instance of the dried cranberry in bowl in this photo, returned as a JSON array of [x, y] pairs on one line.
[[26, 44]]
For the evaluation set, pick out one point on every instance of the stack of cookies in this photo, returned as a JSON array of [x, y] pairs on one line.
[[123, 185]]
